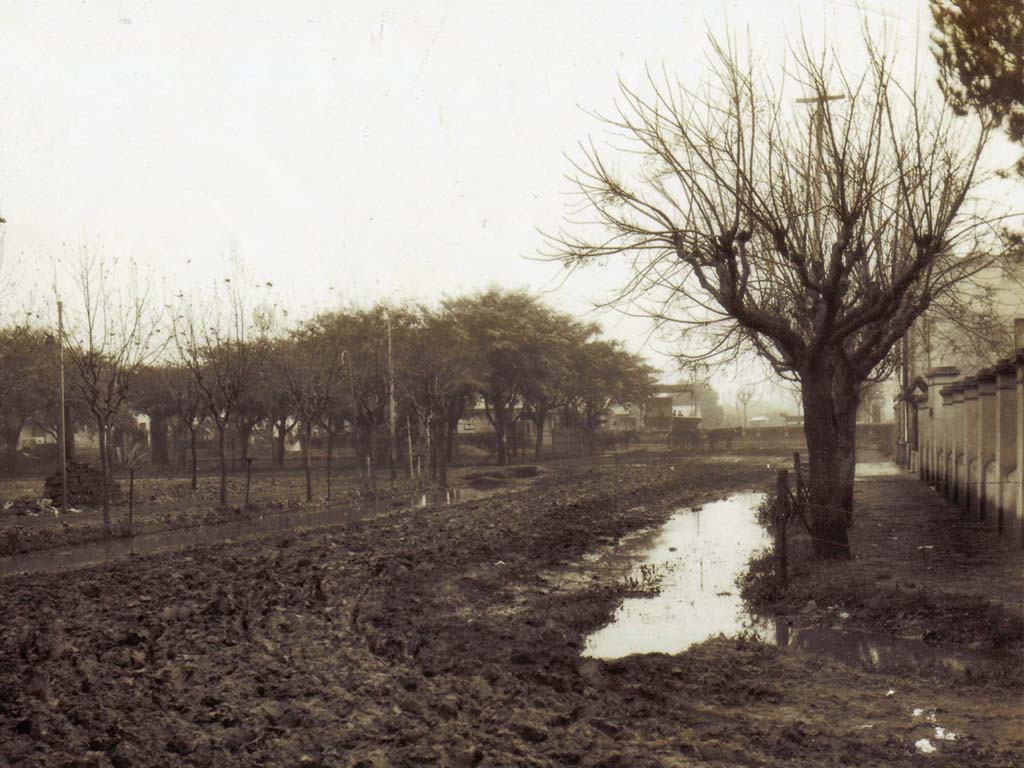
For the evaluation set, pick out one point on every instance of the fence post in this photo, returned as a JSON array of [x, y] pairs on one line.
[[248, 479], [131, 497], [781, 521], [798, 470]]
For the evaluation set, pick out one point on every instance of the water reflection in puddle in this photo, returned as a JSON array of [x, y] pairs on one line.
[[698, 555], [879, 469]]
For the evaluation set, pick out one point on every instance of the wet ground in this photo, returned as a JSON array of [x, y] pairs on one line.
[[450, 636], [685, 573]]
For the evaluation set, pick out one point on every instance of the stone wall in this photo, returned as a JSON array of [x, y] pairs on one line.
[[966, 436]]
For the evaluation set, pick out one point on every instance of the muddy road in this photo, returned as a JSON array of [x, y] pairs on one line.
[[436, 637]]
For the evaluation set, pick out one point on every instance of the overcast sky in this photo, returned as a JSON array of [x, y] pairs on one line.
[[339, 150]]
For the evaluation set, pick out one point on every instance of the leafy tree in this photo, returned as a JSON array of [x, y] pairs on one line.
[[812, 240], [27, 382], [979, 45], [362, 335], [503, 336], [152, 395], [712, 412], [548, 384], [606, 375], [439, 371]]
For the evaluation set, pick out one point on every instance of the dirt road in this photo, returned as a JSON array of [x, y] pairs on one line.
[[429, 639]]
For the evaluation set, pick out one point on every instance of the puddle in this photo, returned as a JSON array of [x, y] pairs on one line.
[[878, 469], [695, 558], [697, 554]]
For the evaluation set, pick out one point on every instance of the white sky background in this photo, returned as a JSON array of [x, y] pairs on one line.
[[340, 150]]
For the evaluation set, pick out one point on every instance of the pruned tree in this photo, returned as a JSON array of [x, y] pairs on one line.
[[110, 336], [812, 235], [223, 345]]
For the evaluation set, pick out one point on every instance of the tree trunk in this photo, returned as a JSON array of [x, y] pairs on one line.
[[69, 437], [442, 454], [158, 454], [280, 436], [449, 443], [830, 410], [195, 462], [306, 464], [501, 437], [538, 443], [11, 436], [327, 461], [222, 450], [245, 437], [104, 471]]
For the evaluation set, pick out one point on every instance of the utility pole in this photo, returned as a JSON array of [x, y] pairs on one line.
[[745, 395], [819, 130], [391, 397], [63, 425]]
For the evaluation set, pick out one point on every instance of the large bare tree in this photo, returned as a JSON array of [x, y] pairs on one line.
[[809, 219]]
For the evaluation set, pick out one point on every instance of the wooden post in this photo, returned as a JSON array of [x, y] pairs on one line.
[[131, 497], [798, 470], [781, 520], [248, 477]]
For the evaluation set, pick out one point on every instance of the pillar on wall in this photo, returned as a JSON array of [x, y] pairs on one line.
[[986, 476], [969, 497], [949, 424], [1018, 479], [1006, 438], [937, 417]]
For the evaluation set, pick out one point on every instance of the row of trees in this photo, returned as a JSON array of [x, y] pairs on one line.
[[228, 368]]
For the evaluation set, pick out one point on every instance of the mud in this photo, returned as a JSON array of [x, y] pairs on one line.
[[432, 638]]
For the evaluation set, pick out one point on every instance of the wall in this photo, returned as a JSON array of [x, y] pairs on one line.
[[967, 436]]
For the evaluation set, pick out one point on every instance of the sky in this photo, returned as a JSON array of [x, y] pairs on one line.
[[342, 151]]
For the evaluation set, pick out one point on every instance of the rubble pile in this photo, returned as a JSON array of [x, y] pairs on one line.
[[85, 486]]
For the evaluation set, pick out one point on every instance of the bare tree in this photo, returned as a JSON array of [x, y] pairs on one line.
[[813, 235], [223, 346], [312, 370], [109, 340], [189, 407]]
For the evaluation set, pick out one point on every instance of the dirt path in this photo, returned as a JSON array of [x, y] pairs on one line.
[[429, 639]]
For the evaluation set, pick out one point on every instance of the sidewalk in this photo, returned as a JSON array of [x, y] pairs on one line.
[[908, 532]]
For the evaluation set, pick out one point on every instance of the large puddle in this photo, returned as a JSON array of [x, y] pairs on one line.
[[696, 556], [694, 559]]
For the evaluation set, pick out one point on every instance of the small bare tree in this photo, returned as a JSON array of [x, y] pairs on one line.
[[190, 409], [223, 346], [812, 234], [110, 336], [312, 368]]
